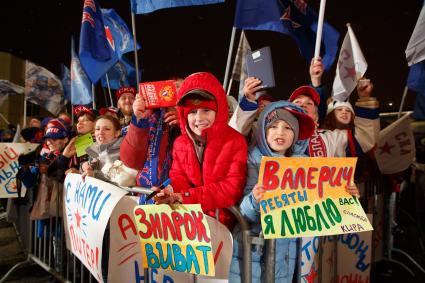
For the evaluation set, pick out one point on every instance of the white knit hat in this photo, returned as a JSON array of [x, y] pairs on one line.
[[335, 104]]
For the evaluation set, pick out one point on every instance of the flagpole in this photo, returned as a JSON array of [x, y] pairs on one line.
[[136, 60], [25, 111], [109, 89], [229, 59], [92, 96], [4, 119], [104, 96], [319, 28], [402, 101], [72, 113]]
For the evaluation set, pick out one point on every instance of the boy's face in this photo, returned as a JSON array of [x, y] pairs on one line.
[[56, 144], [125, 103], [200, 119], [280, 136], [85, 125], [307, 104]]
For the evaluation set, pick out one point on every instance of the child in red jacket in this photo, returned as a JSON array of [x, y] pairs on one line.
[[209, 158]]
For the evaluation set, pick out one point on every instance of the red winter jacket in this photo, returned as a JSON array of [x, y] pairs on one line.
[[219, 181]]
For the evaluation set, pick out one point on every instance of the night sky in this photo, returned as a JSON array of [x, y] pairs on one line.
[[185, 40]]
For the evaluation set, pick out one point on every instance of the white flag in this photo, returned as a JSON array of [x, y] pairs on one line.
[[415, 50], [351, 67], [396, 147]]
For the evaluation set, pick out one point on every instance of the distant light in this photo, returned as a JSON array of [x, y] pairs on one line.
[[390, 104]]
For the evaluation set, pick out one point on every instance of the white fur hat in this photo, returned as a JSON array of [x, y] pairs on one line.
[[335, 104]]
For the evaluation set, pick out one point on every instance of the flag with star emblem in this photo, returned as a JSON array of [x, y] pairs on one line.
[[293, 18], [117, 33], [350, 68], [96, 53], [396, 147], [148, 6]]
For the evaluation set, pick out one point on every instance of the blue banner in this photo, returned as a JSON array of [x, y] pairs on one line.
[[148, 6], [295, 19], [96, 53]]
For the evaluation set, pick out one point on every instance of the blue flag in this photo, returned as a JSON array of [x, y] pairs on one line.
[[148, 6], [295, 19], [121, 74], [96, 54], [117, 33], [416, 82], [80, 85]]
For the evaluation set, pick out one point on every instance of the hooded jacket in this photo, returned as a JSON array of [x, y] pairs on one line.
[[217, 182], [285, 248]]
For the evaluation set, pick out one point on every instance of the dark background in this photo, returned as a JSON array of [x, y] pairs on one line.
[[185, 40]]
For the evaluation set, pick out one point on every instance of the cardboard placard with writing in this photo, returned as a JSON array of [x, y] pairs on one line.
[[88, 206], [125, 256], [175, 238], [307, 197], [9, 166]]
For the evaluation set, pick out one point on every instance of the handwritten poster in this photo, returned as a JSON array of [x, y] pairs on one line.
[[175, 238], [306, 197], [9, 166], [345, 258], [88, 205]]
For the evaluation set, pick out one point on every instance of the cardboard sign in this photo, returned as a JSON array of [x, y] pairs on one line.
[[345, 258], [9, 166], [125, 256], [83, 142], [88, 205], [159, 94], [306, 197], [175, 238]]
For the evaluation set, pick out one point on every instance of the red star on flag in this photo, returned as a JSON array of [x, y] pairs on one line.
[[386, 148], [109, 37], [287, 17], [78, 219], [351, 72], [312, 275]]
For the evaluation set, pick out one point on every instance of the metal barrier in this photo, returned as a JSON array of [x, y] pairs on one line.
[[48, 249]]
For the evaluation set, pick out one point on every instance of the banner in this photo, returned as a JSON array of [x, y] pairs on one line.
[[88, 205], [395, 150], [44, 88], [345, 258], [149, 6], [9, 166], [306, 197], [125, 257], [175, 238]]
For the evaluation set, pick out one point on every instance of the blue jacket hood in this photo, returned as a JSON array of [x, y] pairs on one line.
[[299, 147]]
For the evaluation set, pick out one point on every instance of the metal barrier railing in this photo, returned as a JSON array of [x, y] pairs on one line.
[[47, 249]]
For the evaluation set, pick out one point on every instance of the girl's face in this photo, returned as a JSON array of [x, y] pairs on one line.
[[85, 125], [280, 136], [200, 119], [105, 131], [56, 144], [343, 115]]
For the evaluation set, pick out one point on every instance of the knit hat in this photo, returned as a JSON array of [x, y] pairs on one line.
[[81, 110], [45, 121], [60, 123], [110, 109], [266, 97], [335, 104], [196, 99], [302, 125], [55, 133], [125, 89], [307, 91]]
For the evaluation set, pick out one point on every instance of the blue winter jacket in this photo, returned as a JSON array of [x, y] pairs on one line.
[[250, 209]]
